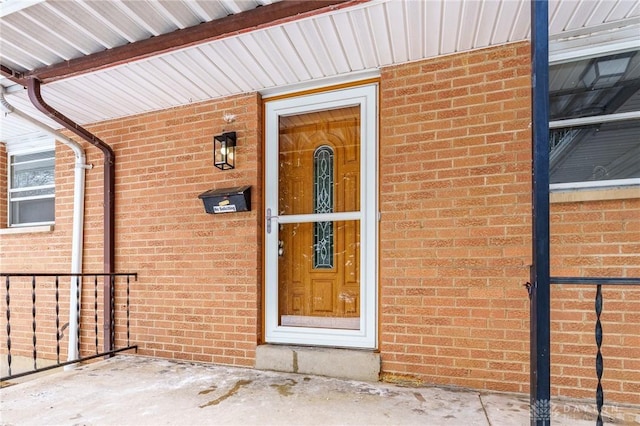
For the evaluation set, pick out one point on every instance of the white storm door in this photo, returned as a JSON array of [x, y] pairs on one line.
[[321, 219]]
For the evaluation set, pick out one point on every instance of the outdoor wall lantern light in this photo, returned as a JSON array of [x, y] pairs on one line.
[[224, 150], [605, 72]]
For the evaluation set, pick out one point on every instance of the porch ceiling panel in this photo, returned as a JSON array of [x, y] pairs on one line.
[[63, 30], [362, 37]]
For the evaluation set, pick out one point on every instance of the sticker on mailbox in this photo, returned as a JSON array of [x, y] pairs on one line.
[[224, 209]]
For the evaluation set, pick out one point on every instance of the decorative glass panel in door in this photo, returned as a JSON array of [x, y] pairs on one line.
[[323, 183]]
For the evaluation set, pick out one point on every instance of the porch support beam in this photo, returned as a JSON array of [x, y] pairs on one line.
[[260, 17], [539, 294]]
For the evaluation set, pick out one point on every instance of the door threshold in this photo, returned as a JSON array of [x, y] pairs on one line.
[[320, 322]]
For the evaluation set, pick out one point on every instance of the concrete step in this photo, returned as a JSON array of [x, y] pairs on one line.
[[363, 365]]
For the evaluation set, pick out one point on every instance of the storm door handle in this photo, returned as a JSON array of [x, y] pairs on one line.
[[269, 218]]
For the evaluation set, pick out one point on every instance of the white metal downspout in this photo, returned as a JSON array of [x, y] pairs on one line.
[[78, 219]]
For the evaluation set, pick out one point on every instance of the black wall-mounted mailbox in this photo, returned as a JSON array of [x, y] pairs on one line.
[[227, 200]]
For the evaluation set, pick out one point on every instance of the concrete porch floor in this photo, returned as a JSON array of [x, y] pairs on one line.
[[136, 390]]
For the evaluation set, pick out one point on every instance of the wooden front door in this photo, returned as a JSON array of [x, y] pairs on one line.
[[319, 261]]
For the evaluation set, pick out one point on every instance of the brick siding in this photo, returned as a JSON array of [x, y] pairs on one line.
[[455, 231], [456, 238], [198, 292], [455, 235], [596, 238]]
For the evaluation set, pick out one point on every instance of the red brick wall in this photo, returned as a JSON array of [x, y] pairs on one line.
[[455, 235], [596, 239], [455, 238], [198, 291], [455, 231]]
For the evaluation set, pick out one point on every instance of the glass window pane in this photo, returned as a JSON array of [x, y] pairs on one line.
[[596, 86], [22, 158], [25, 177], [32, 211], [32, 175], [605, 151], [592, 88], [31, 170]]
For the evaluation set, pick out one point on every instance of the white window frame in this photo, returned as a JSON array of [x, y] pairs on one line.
[[10, 200], [587, 52]]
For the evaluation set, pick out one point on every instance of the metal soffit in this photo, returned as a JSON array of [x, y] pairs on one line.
[[356, 37]]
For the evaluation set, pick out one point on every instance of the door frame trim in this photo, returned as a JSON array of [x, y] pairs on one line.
[[366, 96]]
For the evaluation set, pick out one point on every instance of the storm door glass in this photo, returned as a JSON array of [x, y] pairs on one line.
[[319, 263]]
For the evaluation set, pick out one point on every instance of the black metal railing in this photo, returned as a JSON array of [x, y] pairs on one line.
[[598, 282], [16, 287]]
